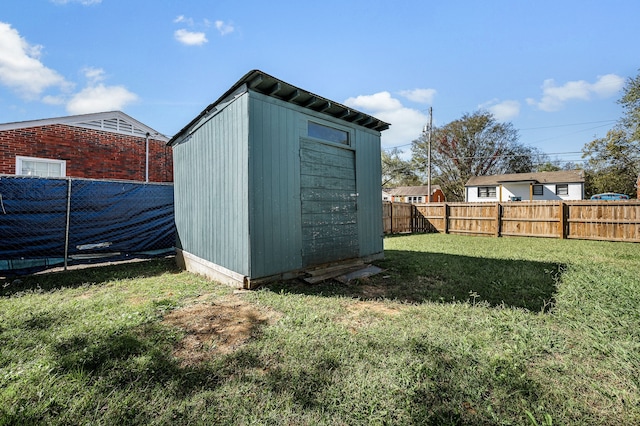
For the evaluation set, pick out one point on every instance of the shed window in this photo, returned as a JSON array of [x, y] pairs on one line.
[[43, 167], [538, 190], [327, 133], [562, 189], [486, 192]]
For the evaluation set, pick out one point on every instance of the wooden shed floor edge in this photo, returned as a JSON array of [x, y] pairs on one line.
[[212, 271]]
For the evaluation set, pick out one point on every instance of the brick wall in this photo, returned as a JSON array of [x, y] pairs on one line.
[[88, 153]]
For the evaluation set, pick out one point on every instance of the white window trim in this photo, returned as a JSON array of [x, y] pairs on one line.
[[20, 159]]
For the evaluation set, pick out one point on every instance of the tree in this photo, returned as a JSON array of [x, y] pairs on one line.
[[548, 166], [630, 102], [613, 162], [396, 171], [522, 159], [474, 145]]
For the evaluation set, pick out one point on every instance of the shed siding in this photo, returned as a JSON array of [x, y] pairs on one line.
[[274, 176], [211, 174], [368, 172]]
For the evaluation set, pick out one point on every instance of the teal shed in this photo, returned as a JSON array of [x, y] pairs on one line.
[[271, 181]]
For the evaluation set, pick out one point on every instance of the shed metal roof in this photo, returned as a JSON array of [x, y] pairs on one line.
[[563, 176], [266, 84]]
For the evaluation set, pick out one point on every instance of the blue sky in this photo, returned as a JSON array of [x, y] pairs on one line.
[[554, 69]]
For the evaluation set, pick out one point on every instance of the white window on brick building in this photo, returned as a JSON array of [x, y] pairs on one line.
[[42, 167]]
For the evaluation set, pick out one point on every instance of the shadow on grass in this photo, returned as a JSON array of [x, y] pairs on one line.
[[417, 277], [88, 275], [130, 357]]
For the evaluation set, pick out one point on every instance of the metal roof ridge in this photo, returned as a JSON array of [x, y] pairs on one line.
[[254, 78]]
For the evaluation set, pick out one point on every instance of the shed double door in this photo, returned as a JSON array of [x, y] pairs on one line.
[[329, 203]]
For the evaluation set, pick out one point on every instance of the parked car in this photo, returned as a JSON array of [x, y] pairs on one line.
[[610, 196]]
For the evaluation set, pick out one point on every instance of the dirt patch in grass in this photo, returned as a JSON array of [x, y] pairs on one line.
[[365, 313], [360, 308], [218, 327]]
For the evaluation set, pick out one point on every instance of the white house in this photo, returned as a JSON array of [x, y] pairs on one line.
[[542, 186]]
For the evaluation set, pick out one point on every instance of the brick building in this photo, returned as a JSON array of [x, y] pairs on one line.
[[106, 145]]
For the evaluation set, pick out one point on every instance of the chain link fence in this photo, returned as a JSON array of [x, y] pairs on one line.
[[47, 223]]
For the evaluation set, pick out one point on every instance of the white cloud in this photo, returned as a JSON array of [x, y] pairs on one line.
[[554, 97], [423, 96], [98, 98], [20, 66], [190, 38], [406, 123], [608, 85], [181, 19], [502, 110], [22, 71], [377, 102], [224, 28], [94, 75]]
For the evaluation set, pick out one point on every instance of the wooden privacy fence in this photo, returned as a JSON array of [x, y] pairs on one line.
[[585, 220], [401, 218]]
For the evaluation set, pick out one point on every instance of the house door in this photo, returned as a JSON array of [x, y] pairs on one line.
[[329, 202]]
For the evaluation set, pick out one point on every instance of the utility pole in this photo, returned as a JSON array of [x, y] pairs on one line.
[[429, 152]]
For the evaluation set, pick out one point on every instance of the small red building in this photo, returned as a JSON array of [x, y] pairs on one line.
[[105, 145]]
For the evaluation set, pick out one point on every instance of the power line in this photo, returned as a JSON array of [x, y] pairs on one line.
[[568, 125], [540, 128], [542, 154]]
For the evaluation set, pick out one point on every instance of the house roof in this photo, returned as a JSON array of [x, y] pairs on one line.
[[412, 190], [266, 84], [110, 121], [563, 176]]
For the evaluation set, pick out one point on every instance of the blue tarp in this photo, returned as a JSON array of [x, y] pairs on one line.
[[106, 218]]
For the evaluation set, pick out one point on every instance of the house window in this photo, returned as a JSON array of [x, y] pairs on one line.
[[562, 189], [43, 167], [538, 190], [327, 133], [486, 192]]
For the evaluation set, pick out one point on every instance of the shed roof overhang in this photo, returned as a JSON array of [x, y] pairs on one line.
[[268, 85]]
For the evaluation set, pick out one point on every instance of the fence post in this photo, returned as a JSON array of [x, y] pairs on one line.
[[498, 218], [412, 219], [391, 220], [562, 207], [66, 232], [446, 218]]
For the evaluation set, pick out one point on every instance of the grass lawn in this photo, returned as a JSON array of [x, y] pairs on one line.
[[457, 330]]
